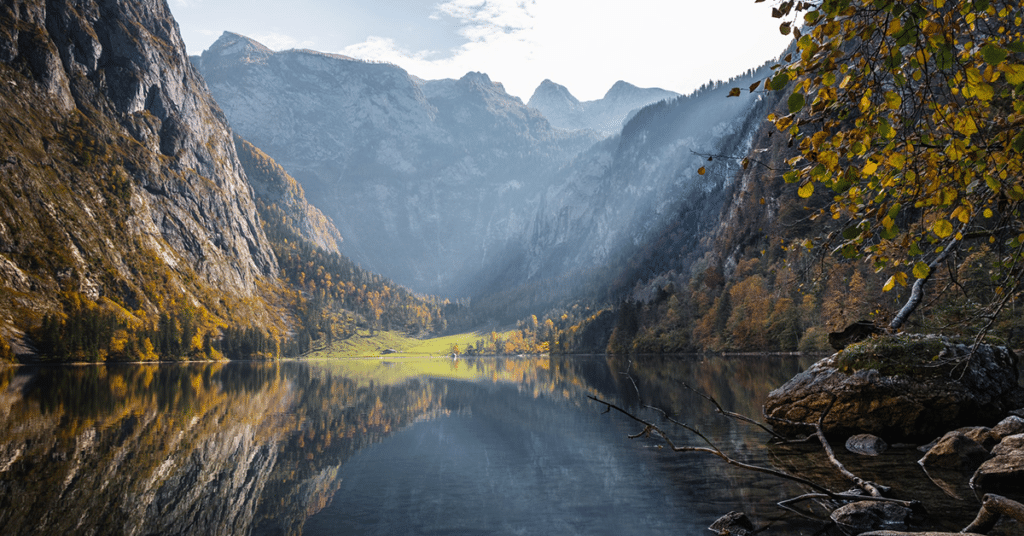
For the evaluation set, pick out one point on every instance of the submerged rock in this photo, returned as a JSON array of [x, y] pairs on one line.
[[866, 444], [955, 451], [901, 387], [871, 515], [732, 524]]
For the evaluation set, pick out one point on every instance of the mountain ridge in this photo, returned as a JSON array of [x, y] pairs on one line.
[[425, 170], [606, 115]]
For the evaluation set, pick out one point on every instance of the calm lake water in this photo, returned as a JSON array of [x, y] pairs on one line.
[[402, 446]]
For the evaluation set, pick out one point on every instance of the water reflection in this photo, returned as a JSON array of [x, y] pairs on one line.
[[410, 446]]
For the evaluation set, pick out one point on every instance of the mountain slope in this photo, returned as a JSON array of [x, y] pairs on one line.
[[594, 222], [419, 176], [606, 115], [120, 181]]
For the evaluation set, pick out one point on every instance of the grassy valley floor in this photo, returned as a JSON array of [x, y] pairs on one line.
[[365, 345]]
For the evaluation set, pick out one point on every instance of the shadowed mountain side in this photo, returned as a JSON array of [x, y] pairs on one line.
[[421, 178], [630, 207]]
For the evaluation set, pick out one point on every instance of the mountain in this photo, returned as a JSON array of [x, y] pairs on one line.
[[596, 219], [606, 115], [120, 181], [419, 176]]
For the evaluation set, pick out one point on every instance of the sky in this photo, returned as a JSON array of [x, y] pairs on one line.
[[585, 45]]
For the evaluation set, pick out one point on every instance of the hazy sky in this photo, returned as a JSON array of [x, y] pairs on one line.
[[585, 45]]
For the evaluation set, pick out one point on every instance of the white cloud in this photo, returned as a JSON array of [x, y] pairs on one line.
[[587, 45]]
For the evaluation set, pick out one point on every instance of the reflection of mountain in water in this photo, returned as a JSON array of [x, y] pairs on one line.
[[257, 448]]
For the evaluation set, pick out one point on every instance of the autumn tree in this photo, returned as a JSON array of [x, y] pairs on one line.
[[910, 115]]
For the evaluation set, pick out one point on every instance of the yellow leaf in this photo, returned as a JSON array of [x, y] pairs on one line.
[[1014, 73], [987, 213], [702, 170], [942, 228], [893, 100], [901, 278], [966, 125], [865, 104], [897, 160], [889, 283], [806, 190], [869, 168], [921, 270]]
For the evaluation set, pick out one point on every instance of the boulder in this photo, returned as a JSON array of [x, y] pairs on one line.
[[1010, 445], [862, 516], [732, 524], [1001, 474], [899, 387], [866, 444], [980, 434], [1009, 426], [955, 451]]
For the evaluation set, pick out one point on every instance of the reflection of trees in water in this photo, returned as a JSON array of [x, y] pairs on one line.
[[240, 447]]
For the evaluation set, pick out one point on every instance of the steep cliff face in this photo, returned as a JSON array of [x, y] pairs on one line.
[[606, 115], [120, 179], [601, 218], [421, 178]]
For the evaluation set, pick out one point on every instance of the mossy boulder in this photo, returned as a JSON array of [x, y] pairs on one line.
[[901, 388]]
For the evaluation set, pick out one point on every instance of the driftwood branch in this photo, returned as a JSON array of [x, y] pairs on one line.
[[651, 429], [875, 490], [731, 414], [994, 507]]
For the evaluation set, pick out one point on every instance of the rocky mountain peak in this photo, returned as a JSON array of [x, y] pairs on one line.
[[238, 48], [549, 95]]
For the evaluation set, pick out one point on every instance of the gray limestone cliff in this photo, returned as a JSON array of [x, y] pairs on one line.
[[422, 178], [120, 179]]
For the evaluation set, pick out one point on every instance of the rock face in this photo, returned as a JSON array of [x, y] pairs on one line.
[[606, 115], [118, 176], [900, 388], [955, 451], [620, 195], [422, 178]]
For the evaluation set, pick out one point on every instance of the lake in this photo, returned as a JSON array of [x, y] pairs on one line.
[[404, 446]]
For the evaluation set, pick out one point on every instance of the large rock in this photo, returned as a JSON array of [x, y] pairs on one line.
[[1010, 445], [901, 387], [1002, 474], [955, 451]]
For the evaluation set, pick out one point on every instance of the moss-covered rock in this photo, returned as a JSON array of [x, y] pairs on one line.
[[902, 387]]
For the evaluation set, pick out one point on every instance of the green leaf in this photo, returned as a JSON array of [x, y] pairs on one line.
[[992, 54], [790, 177], [1018, 143], [796, 102], [851, 233], [915, 249], [992, 183], [780, 81], [921, 270]]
